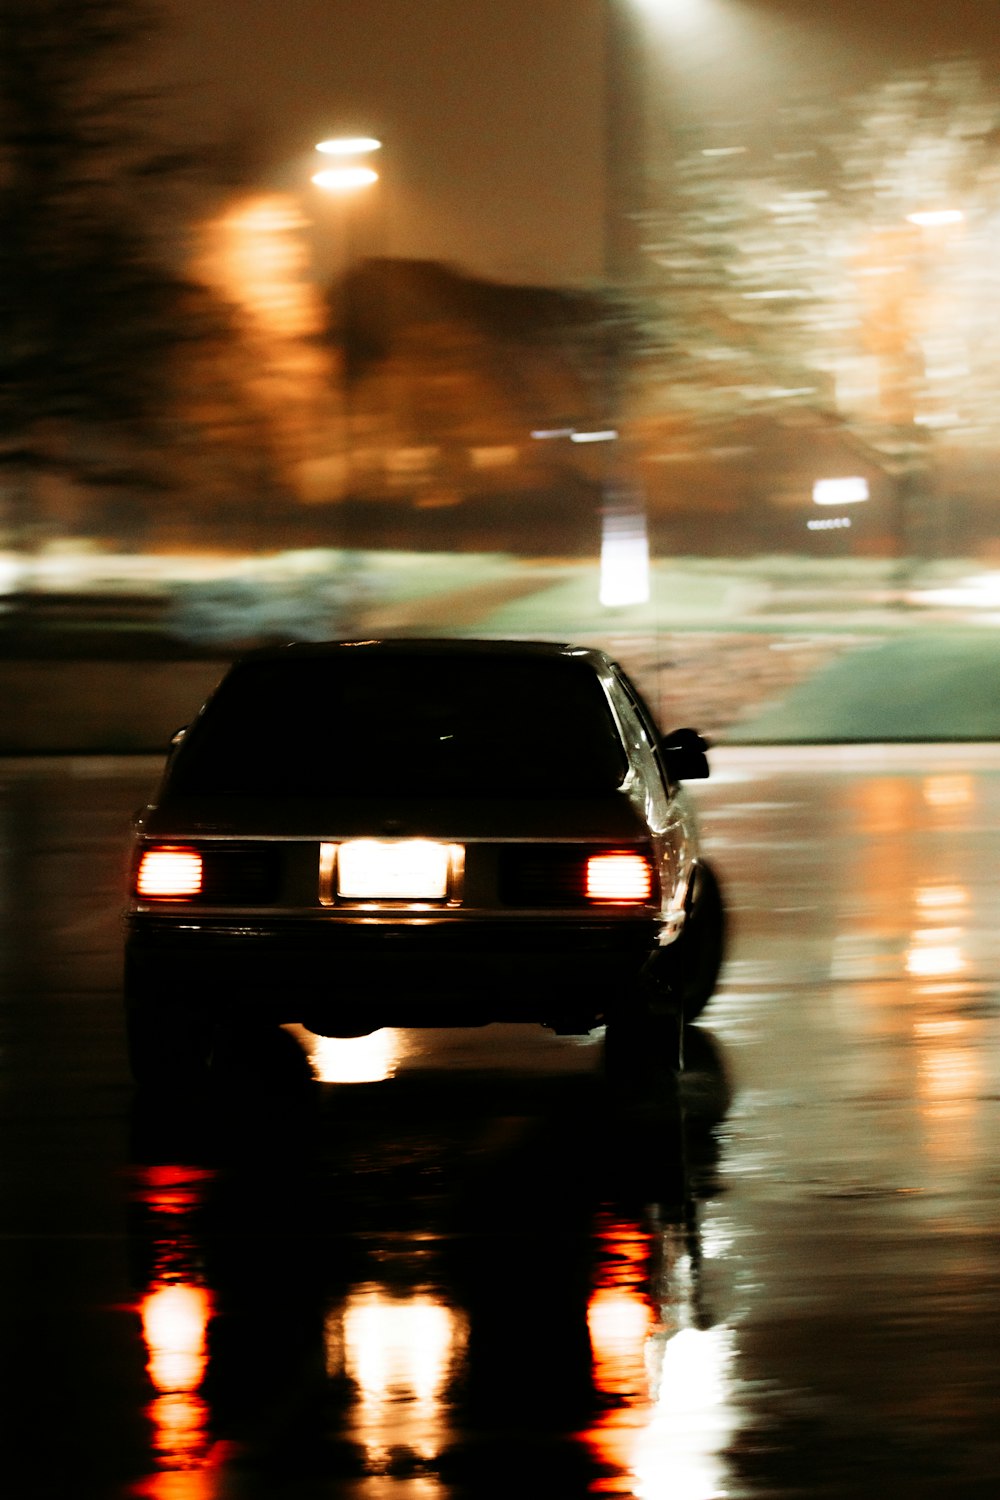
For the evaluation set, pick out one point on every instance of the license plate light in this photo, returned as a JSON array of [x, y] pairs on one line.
[[395, 869]]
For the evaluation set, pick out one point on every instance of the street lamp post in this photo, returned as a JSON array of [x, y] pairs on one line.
[[903, 264], [350, 174], [344, 180], [624, 562]]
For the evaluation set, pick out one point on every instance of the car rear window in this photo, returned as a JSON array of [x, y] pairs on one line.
[[474, 725]]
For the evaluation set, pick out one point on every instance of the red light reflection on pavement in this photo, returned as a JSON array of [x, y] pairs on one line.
[[667, 1379]]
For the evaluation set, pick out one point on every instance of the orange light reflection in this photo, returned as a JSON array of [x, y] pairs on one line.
[[175, 1317], [948, 1075], [670, 1415], [885, 804], [400, 1352], [946, 793], [356, 1059], [935, 953], [942, 900], [619, 1322]]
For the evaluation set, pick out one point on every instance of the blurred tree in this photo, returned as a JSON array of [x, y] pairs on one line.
[[837, 277], [117, 371], [85, 302], [253, 251]]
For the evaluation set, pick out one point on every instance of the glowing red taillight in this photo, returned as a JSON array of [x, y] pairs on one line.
[[619, 876], [169, 873]]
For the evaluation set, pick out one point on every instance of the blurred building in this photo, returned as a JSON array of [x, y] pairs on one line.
[[465, 404]]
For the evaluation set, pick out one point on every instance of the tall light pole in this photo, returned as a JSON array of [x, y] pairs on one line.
[[349, 174], [934, 226], [624, 573], [901, 265]]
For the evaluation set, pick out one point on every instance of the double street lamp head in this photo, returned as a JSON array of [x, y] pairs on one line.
[[350, 173]]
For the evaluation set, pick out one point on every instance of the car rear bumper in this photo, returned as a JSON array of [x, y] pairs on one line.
[[342, 976]]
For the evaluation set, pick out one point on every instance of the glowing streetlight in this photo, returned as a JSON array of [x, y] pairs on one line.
[[347, 178], [344, 179], [350, 174], [349, 145], [936, 218]]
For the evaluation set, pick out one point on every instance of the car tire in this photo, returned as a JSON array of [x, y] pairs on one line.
[[692, 964]]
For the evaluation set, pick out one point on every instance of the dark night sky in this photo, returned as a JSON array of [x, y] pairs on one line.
[[493, 110]]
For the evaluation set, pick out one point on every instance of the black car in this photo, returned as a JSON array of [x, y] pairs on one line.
[[407, 833]]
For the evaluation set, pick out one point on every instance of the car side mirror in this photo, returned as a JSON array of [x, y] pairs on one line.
[[683, 752], [176, 741]]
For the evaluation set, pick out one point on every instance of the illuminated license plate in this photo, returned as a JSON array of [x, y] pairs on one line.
[[395, 870]]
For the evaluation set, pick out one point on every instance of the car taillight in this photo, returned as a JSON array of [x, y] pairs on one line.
[[619, 876], [169, 873]]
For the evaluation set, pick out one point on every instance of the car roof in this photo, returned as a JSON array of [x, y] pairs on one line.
[[426, 646]]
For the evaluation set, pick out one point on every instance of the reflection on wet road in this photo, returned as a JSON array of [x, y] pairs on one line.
[[448, 1264]]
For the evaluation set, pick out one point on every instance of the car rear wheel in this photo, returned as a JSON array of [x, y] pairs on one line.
[[692, 964]]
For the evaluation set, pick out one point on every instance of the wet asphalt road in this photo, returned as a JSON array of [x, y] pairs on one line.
[[479, 1276]]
